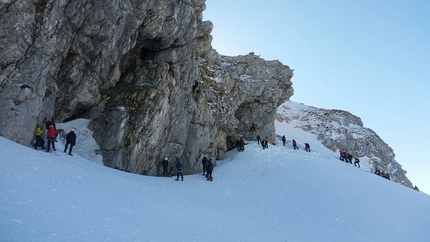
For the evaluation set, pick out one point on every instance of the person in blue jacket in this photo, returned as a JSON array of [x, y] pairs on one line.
[[209, 169], [179, 170]]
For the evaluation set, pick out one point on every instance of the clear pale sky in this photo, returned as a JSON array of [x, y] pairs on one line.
[[371, 58]]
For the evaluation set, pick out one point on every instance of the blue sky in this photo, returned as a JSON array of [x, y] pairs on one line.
[[371, 58]]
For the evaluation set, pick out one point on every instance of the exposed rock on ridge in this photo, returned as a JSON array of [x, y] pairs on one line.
[[107, 60]]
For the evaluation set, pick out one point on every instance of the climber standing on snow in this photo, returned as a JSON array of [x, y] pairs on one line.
[[356, 161], [204, 164], [284, 139], [38, 135], [70, 140], [179, 170], [295, 145], [50, 135], [307, 147], [165, 164], [266, 142], [209, 169]]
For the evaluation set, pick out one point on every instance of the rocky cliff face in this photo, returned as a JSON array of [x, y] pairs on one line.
[[130, 67], [341, 131]]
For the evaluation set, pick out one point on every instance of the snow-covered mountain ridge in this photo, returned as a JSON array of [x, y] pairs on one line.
[[277, 194], [339, 130]]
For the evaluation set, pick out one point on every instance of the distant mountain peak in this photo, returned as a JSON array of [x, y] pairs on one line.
[[340, 130]]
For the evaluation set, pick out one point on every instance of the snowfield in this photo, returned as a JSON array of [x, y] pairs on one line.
[[276, 194]]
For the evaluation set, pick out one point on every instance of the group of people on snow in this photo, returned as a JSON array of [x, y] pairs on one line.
[[51, 137], [207, 168], [240, 144], [307, 145], [178, 166], [383, 174], [264, 142], [206, 163], [347, 157]]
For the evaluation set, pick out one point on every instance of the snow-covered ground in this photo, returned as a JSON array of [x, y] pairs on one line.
[[276, 194]]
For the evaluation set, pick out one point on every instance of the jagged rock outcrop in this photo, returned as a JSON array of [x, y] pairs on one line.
[[130, 66], [341, 131]]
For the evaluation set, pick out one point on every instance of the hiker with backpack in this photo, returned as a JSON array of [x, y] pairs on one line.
[[307, 147], [50, 123], [377, 172], [385, 175], [38, 135], [50, 135], [239, 145], [356, 161], [348, 158], [70, 140], [179, 170], [204, 164], [264, 143], [295, 145], [342, 156], [209, 169], [243, 142], [284, 139], [165, 164]]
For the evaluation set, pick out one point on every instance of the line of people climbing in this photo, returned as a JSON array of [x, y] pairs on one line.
[[294, 142], [347, 157]]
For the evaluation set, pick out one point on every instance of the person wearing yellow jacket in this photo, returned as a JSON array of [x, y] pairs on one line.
[[38, 134]]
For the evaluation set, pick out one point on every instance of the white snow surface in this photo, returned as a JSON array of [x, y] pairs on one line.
[[276, 194]]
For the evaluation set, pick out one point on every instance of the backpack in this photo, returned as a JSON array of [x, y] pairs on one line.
[[210, 166]]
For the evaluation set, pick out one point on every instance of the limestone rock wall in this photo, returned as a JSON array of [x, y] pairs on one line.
[[108, 61]]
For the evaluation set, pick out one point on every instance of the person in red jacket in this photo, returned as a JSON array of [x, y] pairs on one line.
[[51, 137], [295, 145]]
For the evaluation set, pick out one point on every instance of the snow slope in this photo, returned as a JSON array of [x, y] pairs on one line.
[[277, 194]]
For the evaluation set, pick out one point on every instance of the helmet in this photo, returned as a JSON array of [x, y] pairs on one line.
[[165, 158]]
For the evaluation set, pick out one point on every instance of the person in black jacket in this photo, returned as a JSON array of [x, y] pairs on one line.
[[165, 164], [307, 147], [204, 163], [209, 169], [349, 158], [70, 140], [179, 170]]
